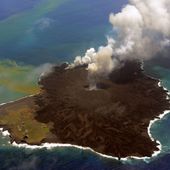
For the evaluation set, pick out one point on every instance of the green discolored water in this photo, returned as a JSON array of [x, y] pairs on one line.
[[17, 81]]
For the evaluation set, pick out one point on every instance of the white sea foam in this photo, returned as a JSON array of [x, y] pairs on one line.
[[17, 100], [5, 132]]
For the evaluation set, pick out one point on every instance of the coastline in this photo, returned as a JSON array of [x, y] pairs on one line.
[[5, 132]]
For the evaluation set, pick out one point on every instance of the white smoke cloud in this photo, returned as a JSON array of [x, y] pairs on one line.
[[99, 63], [143, 30], [40, 71]]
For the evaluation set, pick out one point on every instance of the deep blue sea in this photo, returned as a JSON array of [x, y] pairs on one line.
[[34, 32]]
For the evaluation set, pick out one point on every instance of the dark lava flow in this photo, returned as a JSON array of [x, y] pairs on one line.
[[112, 120]]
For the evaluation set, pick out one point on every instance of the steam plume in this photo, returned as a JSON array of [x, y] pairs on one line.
[[143, 30]]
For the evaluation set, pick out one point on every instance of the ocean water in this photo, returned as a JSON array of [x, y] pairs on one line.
[[55, 30], [11, 7], [41, 31]]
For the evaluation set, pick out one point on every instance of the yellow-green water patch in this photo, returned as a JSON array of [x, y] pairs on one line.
[[17, 80]]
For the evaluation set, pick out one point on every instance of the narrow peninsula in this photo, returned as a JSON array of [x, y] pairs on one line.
[[112, 120]]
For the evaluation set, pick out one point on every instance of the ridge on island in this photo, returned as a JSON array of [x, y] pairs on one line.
[[112, 120]]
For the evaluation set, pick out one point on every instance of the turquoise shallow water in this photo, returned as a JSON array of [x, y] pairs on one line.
[[160, 128], [57, 34]]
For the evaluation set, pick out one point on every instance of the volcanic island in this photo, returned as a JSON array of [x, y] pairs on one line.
[[112, 120]]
